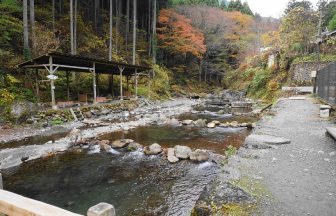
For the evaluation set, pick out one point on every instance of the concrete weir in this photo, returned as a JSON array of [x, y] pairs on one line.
[[241, 107]]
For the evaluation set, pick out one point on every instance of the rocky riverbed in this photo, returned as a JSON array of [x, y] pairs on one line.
[[196, 148]]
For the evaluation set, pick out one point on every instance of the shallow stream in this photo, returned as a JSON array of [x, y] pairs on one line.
[[134, 183]]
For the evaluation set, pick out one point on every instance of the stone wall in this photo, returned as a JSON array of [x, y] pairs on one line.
[[301, 72]]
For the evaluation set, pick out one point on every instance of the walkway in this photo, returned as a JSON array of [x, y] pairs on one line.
[[301, 176]]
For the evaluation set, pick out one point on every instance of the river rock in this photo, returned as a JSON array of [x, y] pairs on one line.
[[182, 152], [104, 145], [199, 155], [172, 121], [187, 122], [221, 112], [133, 146], [87, 114], [224, 125], [244, 125], [234, 124], [217, 158], [200, 123], [153, 149], [171, 156], [211, 125], [121, 143], [264, 141], [216, 122]]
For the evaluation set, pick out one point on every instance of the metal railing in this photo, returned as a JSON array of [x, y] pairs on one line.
[[326, 83]]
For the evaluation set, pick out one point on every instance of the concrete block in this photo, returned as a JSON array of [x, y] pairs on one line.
[[101, 209], [332, 132], [325, 111], [1, 183]]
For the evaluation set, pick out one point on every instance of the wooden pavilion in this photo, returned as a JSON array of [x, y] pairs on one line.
[[57, 61]]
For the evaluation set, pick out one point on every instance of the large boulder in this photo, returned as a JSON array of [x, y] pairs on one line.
[[182, 152], [264, 141], [153, 149], [199, 155], [200, 122], [121, 143], [22, 110], [187, 122], [171, 156]]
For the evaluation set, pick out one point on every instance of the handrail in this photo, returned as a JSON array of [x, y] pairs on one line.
[[14, 204]]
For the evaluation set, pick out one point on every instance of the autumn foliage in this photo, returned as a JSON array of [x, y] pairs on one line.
[[177, 36]]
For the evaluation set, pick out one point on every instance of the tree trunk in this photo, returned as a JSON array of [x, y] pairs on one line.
[[32, 25], [96, 6], [25, 30], [72, 28], [75, 29], [200, 70], [111, 26], [127, 22], [154, 32], [149, 29], [53, 16], [134, 28]]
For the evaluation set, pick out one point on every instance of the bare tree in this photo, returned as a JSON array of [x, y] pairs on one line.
[[25, 29]]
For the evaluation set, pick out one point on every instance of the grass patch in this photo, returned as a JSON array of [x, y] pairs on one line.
[[252, 187], [236, 209]]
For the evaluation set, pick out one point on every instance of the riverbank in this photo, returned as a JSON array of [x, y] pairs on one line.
[[296, 178]]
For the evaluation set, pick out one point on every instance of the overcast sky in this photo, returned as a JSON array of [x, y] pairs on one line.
[[273, 8]]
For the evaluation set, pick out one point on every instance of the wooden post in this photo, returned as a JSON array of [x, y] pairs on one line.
[[94, 83], [68, 86], [37, 86], [149, 84], [136, 83], [127, 82], [121, 69], [52, 85]]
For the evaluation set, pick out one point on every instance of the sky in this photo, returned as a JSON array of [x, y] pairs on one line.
[[273, 8]]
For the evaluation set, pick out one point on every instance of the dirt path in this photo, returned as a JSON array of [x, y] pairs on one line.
[[300, 176]]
